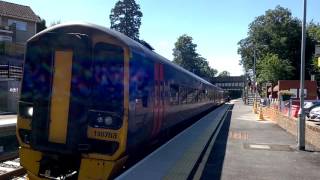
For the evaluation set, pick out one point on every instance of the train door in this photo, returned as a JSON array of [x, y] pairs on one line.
[[158, 108]]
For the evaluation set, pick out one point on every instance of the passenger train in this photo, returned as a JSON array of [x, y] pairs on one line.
[[91, 96]]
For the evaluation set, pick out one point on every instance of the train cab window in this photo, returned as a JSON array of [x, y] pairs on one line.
[[108, 74]]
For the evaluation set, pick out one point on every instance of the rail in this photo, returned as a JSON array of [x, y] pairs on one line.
[[10, 166]]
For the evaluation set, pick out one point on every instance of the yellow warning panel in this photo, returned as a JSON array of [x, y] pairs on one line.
[[318, 61], [60, 98]]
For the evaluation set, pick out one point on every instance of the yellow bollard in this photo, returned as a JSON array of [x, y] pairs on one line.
[[261, 114], [256, 107]]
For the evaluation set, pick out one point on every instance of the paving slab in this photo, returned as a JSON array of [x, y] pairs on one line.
[[8, 120], [250, 149]]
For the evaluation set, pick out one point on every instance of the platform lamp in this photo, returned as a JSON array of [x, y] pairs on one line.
[[302, 120]]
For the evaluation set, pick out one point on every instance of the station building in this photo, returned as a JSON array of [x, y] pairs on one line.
[[17, 24]]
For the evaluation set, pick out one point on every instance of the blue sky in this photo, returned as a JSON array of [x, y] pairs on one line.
[[216, 26]]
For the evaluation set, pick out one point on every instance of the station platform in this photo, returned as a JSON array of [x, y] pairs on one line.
[[178, 158], [8, 120], [247, 148]]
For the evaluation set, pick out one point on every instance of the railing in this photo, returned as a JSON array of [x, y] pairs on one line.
[[2, 27], [288, 108], [12, 49], [10, 71]]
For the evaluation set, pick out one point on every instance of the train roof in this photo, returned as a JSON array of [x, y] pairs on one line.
[[125, 40]]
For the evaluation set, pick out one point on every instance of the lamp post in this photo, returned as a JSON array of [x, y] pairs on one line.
[[254, 69], [255, 78], [301, 121]]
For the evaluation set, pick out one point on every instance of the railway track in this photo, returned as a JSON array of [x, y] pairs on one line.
[[10, 167]]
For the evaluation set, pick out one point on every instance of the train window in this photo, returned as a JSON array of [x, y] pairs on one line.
[[191, 95], [36, 79], [196, 98], [183, 92], [141, 79], [108, 73], [174, 94]]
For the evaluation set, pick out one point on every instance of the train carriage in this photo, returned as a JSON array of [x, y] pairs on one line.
[[90, 96]]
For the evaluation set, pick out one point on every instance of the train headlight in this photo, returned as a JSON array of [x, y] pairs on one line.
[[30, 111], [104, 119], [108, 120], [25, 110]]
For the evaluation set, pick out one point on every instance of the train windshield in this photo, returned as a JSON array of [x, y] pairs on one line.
[[108, 74], [37, 72], [39, 66]]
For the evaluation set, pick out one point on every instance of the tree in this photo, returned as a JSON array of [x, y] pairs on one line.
[[272, 68], [184, 53], [224, 74], [125, 17], [186, 56], [41, 25], [55, 23], [313, 31], [276, 32]]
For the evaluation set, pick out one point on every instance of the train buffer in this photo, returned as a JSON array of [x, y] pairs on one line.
[[179, 157], [241, 147]]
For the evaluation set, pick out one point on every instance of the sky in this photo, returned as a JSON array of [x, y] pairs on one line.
[[216, 26]]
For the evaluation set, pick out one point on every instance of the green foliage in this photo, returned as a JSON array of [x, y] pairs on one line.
[[41, 25], [55, 23], [125, 17], [276, 32], [224, 74], [185, 53], [186, 56], [314, 31], [271, 69]]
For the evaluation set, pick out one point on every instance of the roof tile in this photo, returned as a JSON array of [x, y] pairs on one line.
[[17, 11]]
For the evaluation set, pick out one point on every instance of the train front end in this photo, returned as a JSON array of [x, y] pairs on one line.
[[73, 108]]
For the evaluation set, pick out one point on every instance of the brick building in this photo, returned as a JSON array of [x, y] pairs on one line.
[[17, 22], [294, 87]]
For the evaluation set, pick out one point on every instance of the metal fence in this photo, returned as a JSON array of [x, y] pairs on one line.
[[8, 71], [288, 108]]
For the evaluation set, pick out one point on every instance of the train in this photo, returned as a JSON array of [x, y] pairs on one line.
[[91, 96]]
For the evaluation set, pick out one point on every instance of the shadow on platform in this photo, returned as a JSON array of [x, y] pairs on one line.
[[214, 166]]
